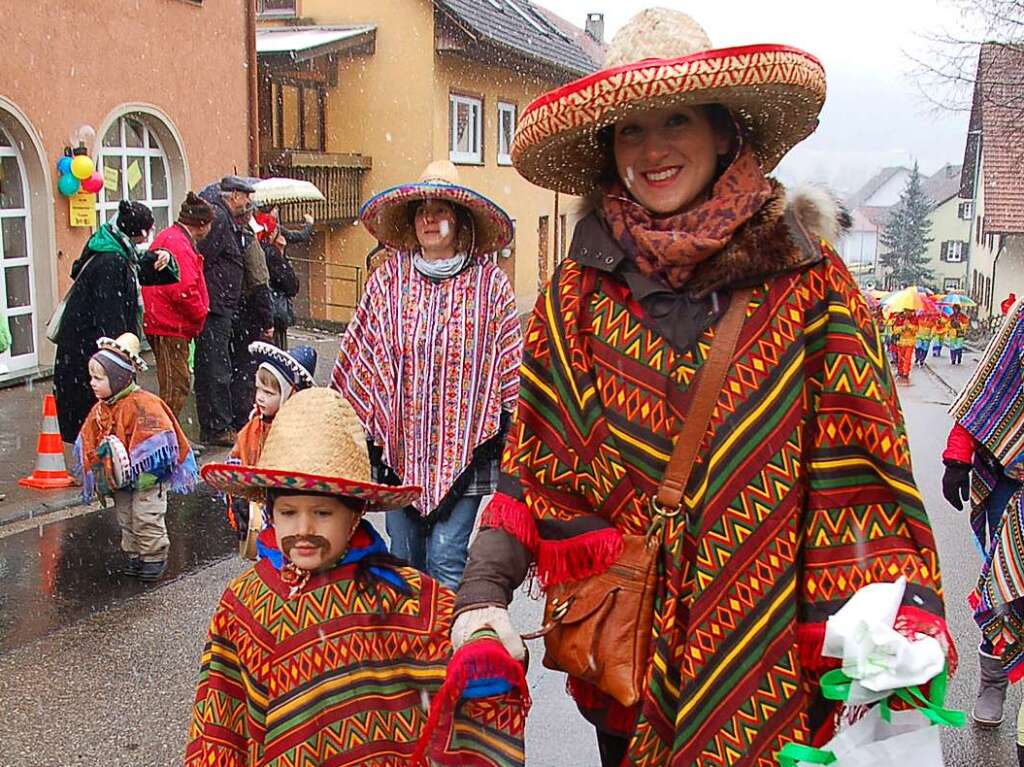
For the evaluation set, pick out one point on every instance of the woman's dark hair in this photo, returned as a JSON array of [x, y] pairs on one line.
[[722, 123]]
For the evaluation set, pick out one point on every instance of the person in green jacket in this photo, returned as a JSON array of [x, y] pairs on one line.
[[104, 300]]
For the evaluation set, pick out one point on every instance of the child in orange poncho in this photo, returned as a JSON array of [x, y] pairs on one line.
[[132, 449], [279, 375]]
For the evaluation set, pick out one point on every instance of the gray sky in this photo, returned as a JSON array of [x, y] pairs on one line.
[[874, 113]]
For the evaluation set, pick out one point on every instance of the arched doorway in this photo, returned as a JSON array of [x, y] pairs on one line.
[[136, 167], [17, 273]]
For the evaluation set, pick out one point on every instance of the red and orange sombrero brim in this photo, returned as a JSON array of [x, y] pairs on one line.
[[253, 483], [775, 92]]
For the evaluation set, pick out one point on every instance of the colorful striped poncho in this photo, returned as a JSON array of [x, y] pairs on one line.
[[151, 436], [991, 408], [429, 366], [341, 674], [802, 493], [957, 331]]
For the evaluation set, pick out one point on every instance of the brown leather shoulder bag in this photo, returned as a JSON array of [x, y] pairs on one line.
[[599, 629]]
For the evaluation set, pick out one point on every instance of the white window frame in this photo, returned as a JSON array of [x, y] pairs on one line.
[[505, 152], [950, 284], [10, 363], [954, 251], [965, 211], [476, 106], [106, 202]]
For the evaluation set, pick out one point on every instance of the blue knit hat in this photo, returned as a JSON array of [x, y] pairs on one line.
[[293, 369]]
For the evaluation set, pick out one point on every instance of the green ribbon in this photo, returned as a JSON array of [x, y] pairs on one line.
[[836, 685]]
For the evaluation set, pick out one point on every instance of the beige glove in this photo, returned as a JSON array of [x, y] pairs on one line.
[[496, 618]]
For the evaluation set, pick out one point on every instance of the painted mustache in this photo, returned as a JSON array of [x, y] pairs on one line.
[[289, 542]]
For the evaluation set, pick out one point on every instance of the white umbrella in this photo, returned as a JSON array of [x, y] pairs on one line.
[[278, 191]]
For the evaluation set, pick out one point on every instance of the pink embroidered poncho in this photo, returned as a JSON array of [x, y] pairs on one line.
[[429, 366]]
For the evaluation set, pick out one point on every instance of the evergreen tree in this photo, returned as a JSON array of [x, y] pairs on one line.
[[906, 237]]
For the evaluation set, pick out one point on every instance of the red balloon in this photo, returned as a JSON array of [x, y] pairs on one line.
[[93, 184]]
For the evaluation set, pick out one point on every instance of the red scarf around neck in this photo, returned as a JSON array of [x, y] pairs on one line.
[[670, 247]]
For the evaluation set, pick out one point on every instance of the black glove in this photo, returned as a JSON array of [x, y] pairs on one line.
[[956, 484]]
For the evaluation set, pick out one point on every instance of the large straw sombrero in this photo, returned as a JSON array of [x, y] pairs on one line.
[[127, 346], [386, 215], [660, 59], [316, 445]]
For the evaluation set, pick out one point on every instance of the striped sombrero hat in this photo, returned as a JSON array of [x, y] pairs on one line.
[[661, 59], [386, 214], [316, 445]]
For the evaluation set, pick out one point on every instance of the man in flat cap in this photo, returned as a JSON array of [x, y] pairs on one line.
[[223, 250]]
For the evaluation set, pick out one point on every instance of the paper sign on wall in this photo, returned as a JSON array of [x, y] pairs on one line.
[[82, 209], [134, 174], [111, 179]]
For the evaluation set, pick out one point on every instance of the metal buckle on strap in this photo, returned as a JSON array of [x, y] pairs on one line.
[[661, 513]]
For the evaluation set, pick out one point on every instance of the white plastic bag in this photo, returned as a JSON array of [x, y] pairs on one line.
[[877, 657], [909, 739]]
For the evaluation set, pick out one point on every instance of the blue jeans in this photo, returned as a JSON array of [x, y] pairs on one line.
[[438, 549]]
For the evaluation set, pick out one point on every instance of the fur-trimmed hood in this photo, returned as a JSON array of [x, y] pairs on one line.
[[784, 236]]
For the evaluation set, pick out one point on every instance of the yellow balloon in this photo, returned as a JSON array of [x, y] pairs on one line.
[[82, 166]]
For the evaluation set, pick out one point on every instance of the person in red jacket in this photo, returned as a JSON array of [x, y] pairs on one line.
[[174, 314]]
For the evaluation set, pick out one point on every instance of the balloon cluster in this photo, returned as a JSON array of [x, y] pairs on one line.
[[78, 173]]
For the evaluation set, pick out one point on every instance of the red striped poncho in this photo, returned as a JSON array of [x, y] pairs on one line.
[[429, 366], [801, 494]]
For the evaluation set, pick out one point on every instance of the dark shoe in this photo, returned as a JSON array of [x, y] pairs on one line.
[[988, 708], [152, 571], [134, 567], [224, 439]]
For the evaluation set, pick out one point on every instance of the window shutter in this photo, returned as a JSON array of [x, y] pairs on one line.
[[944, 251]]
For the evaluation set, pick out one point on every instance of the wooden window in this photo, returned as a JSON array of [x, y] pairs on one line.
[[506, 131], [465, 143], [312, 119], [291, 134], [965, 210], [542, 252], [297, 117]]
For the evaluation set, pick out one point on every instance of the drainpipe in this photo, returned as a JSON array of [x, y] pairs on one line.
[[250, 52]]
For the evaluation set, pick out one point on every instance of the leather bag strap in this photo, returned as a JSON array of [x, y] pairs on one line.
[[709, 386]]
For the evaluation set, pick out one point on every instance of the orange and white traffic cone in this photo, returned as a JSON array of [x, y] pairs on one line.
[[50, 471]]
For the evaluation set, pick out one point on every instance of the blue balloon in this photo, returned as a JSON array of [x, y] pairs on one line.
[[68, 185], [64, 165]]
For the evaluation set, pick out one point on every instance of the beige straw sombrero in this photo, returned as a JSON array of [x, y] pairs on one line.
[[663, 58], [126, 345], [386, 215], [316, 445]]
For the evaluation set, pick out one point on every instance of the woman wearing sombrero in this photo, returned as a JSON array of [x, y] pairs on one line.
[[328, 649], [431, 358], [694, 266]]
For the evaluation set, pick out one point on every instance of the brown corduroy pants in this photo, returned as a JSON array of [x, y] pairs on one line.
[[172, 370]]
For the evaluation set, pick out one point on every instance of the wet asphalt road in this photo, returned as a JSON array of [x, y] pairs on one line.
[[96, 669], [55, 575]]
